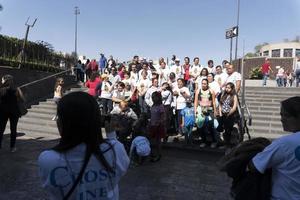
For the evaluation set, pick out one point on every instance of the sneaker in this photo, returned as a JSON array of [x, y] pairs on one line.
[[13, 149], [213, 145], [202, 145]]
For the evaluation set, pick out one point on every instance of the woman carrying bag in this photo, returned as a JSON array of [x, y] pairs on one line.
[[11, 108]]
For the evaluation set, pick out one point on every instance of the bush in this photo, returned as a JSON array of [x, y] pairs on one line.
[[255, 73], [29, 65]]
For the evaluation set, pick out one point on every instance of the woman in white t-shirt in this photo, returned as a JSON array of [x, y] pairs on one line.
[[203, 75], [82, 165], [106, 94], [181, 93]]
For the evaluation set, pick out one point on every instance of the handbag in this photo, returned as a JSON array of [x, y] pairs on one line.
[[21, 104]]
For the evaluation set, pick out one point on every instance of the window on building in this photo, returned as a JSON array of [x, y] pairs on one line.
[[297, 52], [266, 53], [288, 53], [276, 53]]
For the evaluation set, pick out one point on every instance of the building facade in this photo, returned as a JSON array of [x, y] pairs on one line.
[[281, 50]]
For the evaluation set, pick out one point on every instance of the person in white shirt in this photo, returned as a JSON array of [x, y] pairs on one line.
[[134, 75], [177, 69], [203, 75], [181, 93], [163, 73], [106, 94], [297, 71], [220, 76], [195, 69], [119, 94], [213, 85], [233, 77], [167, 100], [210, 67], [142, 86], [145, 68], [150, 91], [283, 155], [82, 164], [114, 78]]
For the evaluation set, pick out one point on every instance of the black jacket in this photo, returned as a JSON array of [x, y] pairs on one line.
[[247, 184]]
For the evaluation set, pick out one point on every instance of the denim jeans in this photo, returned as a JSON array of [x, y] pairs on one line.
[[178, 121], [265, 78], [208, 128], [280, 82], [187, 130], [297, 77], [107, 105], [143, 105]]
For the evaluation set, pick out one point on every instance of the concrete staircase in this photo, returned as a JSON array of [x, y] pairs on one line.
[[37, 123], [264, 105]]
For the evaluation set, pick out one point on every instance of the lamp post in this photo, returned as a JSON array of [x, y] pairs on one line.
[[77, 12], [237, 24]]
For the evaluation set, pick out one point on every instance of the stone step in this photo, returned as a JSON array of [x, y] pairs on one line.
[[264, 108], [268, 135], [290, 89], [265, 130], [38, 121], [266, 96], [48, 102], [264, 112], [37, 115], [258, 103], [43, 110], [267, 124], [36, 128], [271, 92], [46, 106], [36, 135], [265, 117], [261, 99]]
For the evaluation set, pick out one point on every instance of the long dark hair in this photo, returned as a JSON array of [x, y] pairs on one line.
[[156, 98], [8, 81], [231, 94], [79, 122]]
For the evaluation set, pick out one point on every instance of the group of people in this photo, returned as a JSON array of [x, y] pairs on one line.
[[191, 94], [284, 78]]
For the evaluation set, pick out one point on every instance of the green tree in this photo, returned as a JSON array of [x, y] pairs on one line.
[[258, 47]]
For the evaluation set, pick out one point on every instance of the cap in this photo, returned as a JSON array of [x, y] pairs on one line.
[[177, 60]]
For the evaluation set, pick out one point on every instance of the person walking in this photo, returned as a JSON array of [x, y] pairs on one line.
[[9, 97], [265, 70], [58, 92]]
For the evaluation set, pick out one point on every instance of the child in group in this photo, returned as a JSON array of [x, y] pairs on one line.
[[58, 92], [140, 146], [188, 121], [157, 125]]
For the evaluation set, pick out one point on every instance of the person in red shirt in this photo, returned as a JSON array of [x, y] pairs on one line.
[[186, 69], [92, 84], [265, 69]]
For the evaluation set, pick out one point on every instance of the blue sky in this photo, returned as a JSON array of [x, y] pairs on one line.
[[152, 28]]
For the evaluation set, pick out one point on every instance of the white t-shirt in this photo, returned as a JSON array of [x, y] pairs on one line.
[[199, 80], [163, 75], [195, 70], [57, 172], [149, 74], [283, 156], [166, 97], [114, 79], [177, 70], [134, 76], [221, 78], [214, 86], [142, 146], [143, 85], [148, 95], [106, 90], [180, 100], [233, 78]]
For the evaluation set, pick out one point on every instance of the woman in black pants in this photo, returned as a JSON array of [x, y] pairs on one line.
[[9, 95], [227, 108]]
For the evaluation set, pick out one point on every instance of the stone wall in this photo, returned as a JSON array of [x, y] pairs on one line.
[[38, 91], [250, 63]]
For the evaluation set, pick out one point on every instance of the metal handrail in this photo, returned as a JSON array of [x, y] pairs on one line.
[[249, 114], [45, 78]]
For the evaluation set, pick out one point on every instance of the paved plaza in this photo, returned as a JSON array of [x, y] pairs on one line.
[[180, 174]]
